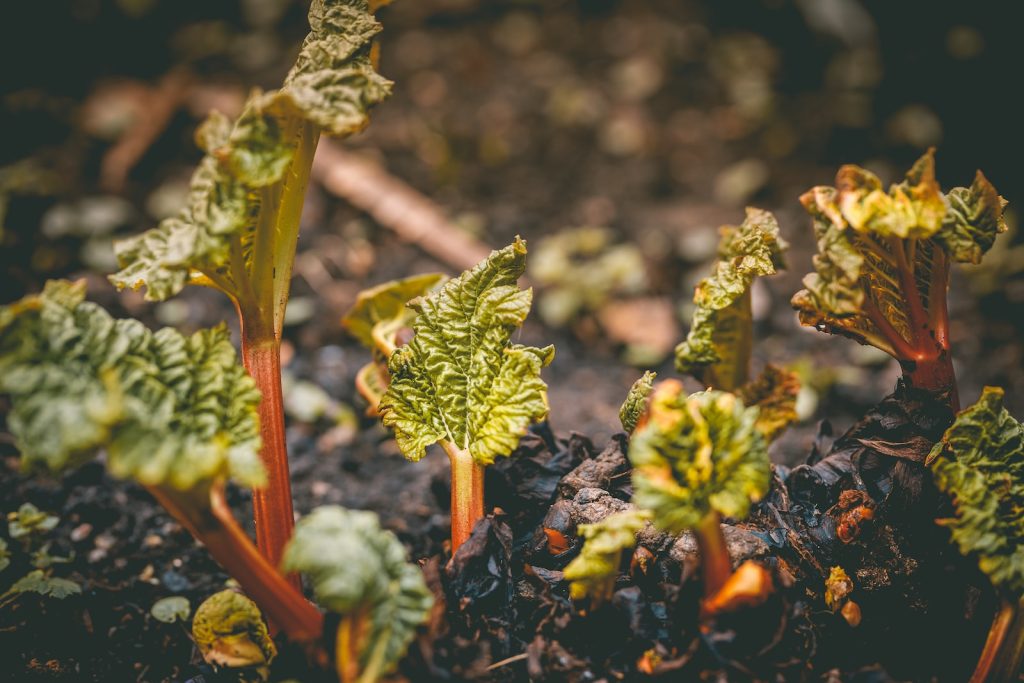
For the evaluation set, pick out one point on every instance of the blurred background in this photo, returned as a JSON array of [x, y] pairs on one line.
[[615, 135]]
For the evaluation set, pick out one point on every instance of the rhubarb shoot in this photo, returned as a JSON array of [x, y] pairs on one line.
[[980, 463], [594, 570], [696, 459], [176, 414], [239, 228], [882, 267], [360, 572], [635, 405], [461, 382], [230, 633], [718, 347]]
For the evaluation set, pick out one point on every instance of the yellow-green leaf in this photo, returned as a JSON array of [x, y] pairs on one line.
[[696, 455], [461, 379], [979, 463], [717, 348], [229, 631], [594, 570], [381, 311], [635, 404]]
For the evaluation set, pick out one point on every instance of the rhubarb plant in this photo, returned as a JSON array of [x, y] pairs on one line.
[[239, 227], [718, 347], [360, 572], [979, 463], [461, 382], [881, 273], [635, 405], [176, 414], [230, 633], [377, 319], [696, 459]]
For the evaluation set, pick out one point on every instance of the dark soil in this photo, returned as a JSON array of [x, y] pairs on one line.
[[530, 117]]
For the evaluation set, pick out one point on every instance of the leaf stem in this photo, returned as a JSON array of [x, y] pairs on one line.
[[211, 522], [918, 321], [467, 493], [715, 563], [272, 504], [1001, 657]]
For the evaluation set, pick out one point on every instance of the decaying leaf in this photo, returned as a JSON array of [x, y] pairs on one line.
[[980, 463], [229, 631], [461, 379], [170, 410], [696, 455], [774, 394], [635, 404], [594, 570], [717, 348], [357, 568]]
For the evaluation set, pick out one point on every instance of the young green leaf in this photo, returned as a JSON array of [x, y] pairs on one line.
[[635, 404], [170, 410], [593, 571], [30, 521], [39, 581], [697, 455], [229, 631], [360, 571], [5, 555], [460, 379], [882, 267], [717, 348], [774, 394], [980, 463], [171, 609], [380, 312]]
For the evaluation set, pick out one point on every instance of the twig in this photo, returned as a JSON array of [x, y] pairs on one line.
[[508, 660], [395, 205]]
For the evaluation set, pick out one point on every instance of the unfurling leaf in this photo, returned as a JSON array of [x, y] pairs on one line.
[[635, 404], [717, 348], [774, 394], [881, 271], [696, 455], [380, 312], [594, 570], [171, 609], [357, 568], [5, 555], [170, 410], [231, 218], [30, 521], [980, 463], [461, 379], [229, 631]]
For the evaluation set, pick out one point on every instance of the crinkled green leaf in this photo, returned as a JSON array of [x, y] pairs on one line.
[[717, 348], [171, 609], [975, 218], [5, 555], [774, 394], [382, 310], [877, 250], [353, 566], [594, 570], [39, 581], [980, 463], [461, 379], [29, 520], [635, 404], [236, 190], [695, 455], [229, 631], [170, 410]]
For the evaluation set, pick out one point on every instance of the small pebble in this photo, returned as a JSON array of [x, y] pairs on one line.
[[81, 532], [175, 582]]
